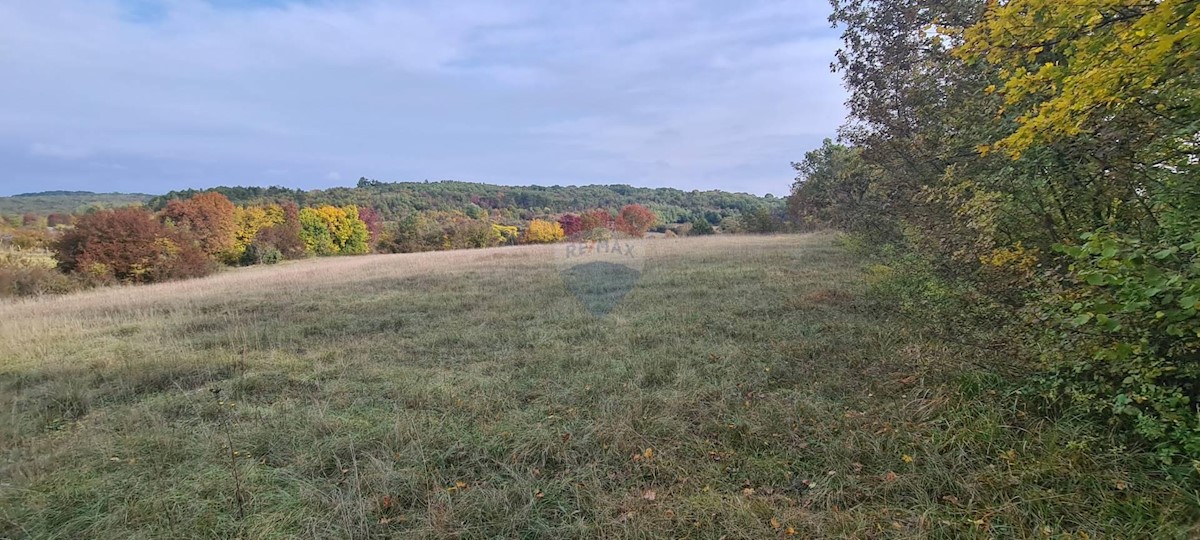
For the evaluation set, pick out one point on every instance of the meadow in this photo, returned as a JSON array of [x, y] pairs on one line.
[[747, 387]]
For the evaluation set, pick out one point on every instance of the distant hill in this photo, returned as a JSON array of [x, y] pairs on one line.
[[67, 202], [395, 200]]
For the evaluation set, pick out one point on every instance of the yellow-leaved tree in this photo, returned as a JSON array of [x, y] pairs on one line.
[[541, 231], [1069, 67], [250, 220]]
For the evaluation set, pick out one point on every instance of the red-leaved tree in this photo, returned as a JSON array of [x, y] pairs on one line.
[[374, 222], [130, 244], [635, 220], [597, 218], [571, 224]]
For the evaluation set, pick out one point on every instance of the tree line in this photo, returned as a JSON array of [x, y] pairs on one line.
[[1038, 160], [194, 236]]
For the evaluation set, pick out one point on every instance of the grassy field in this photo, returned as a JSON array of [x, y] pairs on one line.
[[747, 387]]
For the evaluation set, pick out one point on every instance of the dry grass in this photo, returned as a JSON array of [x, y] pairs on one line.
[[746, 388]]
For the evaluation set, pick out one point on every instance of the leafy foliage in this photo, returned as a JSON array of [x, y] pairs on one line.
[[1045, 153], [330, 230], [210, 218], [130, 244], [572, 224], [541, 231], [634, 220]]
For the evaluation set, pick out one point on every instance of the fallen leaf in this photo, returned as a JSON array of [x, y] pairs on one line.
[[649, 495], [539, 494], [790, 531], [775, 524], [907, 458], [889, 477], [648, 453]]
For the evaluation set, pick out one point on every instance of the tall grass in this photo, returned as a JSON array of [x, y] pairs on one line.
[[745, 388]]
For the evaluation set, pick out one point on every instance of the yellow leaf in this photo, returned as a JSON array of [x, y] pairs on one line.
[[907, 458], [648, 453], [775, 524]]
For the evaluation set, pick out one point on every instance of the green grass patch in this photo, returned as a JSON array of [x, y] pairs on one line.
[[743, 388]]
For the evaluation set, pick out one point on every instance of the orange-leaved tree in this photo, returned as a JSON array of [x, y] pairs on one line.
[[209, 216]]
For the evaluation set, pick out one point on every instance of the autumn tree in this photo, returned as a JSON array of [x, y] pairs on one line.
[[284, 236], [373, 221], [130, 244], [1043, 152], [249, 221], [541, 231], [330, 230], [571, 224], [210, 217], [634, 220], [594, 219]]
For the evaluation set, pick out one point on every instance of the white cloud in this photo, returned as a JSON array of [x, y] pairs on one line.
[[650, 92]]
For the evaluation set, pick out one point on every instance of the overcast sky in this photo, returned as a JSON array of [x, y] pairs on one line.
[[154, 95]]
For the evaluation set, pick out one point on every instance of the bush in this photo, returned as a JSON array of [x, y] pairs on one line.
[[701, 227], [543, 232], [634, 220], [34, 281], [261, 253], [131, 245], [1125, 336], [571, 224]]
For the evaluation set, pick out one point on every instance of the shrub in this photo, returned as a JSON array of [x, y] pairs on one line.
[[543, 232], [595, 219], [634, 220], [571, 224], [1125, 336], [261, 253], [508, 234], [701, 227], [762, 221], [130, 244], [34, 281]]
